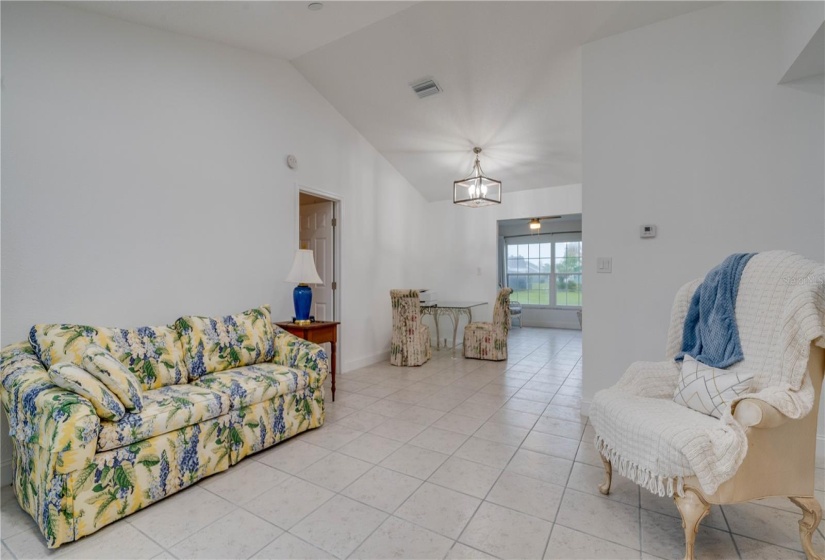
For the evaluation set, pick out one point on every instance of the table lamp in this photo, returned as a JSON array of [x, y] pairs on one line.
[[304, 272]]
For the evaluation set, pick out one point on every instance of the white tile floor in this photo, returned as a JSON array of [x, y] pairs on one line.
[[454, 459]]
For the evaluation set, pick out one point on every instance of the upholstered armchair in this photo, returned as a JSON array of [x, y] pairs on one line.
[[764, 443], [488, 341], [410, 344]]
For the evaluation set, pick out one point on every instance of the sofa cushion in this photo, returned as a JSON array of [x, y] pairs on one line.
[[707, 389], [72, 378], [213, 344], [164, 410], [117, 377], [153, 354], [253, 384]]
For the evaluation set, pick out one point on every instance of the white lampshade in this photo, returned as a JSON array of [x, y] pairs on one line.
[[303, 269]]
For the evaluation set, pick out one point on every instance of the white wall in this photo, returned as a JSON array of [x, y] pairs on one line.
[[685, 127], [143, 178], [462, 248]]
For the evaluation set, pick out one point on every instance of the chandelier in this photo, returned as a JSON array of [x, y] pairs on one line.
[[477, 189]]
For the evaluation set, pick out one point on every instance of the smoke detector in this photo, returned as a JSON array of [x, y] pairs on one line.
[[425, 87]]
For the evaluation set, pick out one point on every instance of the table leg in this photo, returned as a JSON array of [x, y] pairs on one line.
[[437, 332], [334, 345], [455, 327]]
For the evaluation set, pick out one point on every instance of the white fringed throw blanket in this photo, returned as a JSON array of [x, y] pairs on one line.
[[780, 310]]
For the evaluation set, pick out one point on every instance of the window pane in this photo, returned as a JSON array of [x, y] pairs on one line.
[[518, 282], [574, 249], [546, 250], [579, 278], [568, 289], [512, 252], [561, 250], [568, 264], [545, 265]]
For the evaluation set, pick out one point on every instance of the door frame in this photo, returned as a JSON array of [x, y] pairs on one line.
[[337, 203]]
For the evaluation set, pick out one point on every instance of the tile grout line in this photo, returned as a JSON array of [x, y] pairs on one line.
[[13, 555], [322, 504], [730, 532], [456, 540], [567, 481], [483, 500], [641, 533]]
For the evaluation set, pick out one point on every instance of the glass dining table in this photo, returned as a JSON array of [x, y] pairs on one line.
[[452, 309]]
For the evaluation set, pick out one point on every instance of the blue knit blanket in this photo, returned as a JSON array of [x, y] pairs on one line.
[[710, 333]]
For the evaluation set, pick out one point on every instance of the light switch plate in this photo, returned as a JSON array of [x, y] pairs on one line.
[[604, 264]]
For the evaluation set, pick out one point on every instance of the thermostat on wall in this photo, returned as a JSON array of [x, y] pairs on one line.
[[647, 231]]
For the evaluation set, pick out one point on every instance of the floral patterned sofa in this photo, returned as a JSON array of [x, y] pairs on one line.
[[214, 391]]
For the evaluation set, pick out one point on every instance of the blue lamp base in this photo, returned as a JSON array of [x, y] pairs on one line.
[[302, 298]]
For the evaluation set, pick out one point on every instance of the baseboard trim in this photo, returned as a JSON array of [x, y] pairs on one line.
[[5, 473], [571, 326], [351, 365], [584, 409]]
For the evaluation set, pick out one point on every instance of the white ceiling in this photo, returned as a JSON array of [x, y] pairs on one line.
[[510, 71], [283, 29]]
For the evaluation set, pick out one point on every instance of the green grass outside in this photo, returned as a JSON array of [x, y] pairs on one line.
[[542, 297]]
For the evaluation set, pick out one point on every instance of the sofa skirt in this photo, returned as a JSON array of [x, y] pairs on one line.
[[259, 426], [42, 493]]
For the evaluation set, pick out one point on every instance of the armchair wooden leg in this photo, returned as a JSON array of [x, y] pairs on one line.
[[693, 508], [811, 516], [604, 487]]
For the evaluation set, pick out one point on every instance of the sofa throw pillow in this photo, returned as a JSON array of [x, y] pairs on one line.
[[153, 354], [213, 344], [709, 390], [117, 377], [72, 378]]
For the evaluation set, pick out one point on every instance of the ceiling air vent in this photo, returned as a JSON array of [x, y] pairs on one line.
[[425, 87]]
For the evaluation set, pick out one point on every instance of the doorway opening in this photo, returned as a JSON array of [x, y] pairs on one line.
[[318, 221], [540, 258]]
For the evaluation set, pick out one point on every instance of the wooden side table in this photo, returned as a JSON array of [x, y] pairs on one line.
[[318, 332]]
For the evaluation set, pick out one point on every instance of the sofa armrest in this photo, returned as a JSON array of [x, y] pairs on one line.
[[42, 414], [754, 413], [295, 352]]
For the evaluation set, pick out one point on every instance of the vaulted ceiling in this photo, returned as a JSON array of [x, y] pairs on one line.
[[510, 73]]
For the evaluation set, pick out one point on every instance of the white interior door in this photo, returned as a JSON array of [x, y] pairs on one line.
[[316, 233]]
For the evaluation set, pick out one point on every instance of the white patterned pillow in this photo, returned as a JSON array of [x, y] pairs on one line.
[[117, 377], [72, 378], [709, 390]]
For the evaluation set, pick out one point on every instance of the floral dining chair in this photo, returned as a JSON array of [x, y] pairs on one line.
[[410, 344], [488, 341]]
